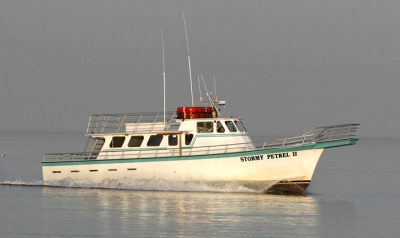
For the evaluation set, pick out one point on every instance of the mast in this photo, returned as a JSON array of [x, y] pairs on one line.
[[215, 90], [188, 52], [163, 62]]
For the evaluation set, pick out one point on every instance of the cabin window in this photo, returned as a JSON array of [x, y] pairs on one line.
[[135, 141], [155, 140], [172, 140], [117, 142], [220, 127], [205, 127], [231, 126], [244, 128], [239, 126], [188, 139]]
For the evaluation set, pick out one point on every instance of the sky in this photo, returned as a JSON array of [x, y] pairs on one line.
[[283, 66]]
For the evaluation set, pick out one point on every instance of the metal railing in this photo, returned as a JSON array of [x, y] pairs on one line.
[[318, 135], [335, 132], [121, 122]]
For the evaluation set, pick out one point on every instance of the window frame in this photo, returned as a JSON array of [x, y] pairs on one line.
[[233, 124], [141, 142], [112, 143], [169, 140], [205, 128], [191, 136], [154, 136], [239, 126], [241, 123], [222, 126]]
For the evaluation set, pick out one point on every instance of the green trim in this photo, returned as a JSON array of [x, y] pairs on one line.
[[335, 143], [328, 144]]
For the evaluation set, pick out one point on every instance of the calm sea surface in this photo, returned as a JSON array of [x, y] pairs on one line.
[[355, 193]]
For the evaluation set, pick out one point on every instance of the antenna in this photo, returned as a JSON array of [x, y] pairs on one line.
[[188, 52], [163, 62], [209, 98], [198, 81], [215, 90]]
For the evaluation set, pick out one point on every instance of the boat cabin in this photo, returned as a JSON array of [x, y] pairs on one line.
[[191, 128]]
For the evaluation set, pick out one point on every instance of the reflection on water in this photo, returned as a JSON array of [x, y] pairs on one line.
[[180, 214]]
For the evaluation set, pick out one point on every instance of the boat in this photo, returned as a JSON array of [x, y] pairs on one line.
[[194, 144]]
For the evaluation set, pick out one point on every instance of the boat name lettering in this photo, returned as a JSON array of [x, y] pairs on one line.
[[251, 158], [268, 156]]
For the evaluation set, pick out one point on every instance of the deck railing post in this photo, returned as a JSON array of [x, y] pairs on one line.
[[348, 131]]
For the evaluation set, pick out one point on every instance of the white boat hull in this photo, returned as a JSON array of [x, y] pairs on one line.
[[256, 169]]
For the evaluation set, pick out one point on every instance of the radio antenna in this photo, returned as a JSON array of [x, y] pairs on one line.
[[215, 90], [188, 52], [198, 81], [209, 98], [163, 62]]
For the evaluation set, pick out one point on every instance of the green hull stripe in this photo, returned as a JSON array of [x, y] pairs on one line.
[[328, 144]]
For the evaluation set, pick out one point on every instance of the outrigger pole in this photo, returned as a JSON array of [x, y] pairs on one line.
[[188, 52]]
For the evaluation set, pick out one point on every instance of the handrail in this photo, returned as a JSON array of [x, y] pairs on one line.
[[115, 123], [318, 135]]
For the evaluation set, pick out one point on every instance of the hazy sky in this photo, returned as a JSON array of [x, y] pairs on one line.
[[284, 66]]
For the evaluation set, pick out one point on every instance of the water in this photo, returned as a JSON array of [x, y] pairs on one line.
[[355, 193]]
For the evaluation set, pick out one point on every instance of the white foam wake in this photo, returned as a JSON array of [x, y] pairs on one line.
[[139, 185], [20, 182]]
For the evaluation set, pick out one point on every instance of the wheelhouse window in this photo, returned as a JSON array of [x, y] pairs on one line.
[[244, 128], [220, 127], [172, 140], [205, 127], [117, 141], [155, 140], [239, 126], [135, 141], [231, 126], [188, 139]]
